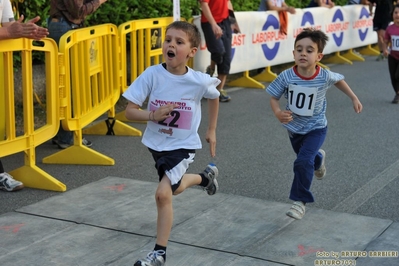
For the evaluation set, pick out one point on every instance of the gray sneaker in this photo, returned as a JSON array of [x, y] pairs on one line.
[[154, 258], [7, 183], [223, 97], [321, 172], [85, 142], [380, 57], [297, 210], [211, 172]]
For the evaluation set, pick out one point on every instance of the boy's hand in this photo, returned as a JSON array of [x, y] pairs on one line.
[[284, 116], [357, 105], [163, 112], [211, 139]]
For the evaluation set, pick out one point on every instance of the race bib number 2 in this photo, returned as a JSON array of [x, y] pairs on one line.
[[301, 100], [178, 125]]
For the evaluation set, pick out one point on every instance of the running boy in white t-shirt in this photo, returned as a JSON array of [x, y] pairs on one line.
[[174, 115], [305, 86]]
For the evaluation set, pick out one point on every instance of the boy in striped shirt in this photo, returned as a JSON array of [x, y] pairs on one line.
[[305, 86]]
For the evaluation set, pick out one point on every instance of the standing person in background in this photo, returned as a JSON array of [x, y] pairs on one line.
[[321, 3], [304, 86], [382, 18], [281, 7], [11, 29], [391, 50], [358, 2], [66, 15], [277, 5], [216, 26]]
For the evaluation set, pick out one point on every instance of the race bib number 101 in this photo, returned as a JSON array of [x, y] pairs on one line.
[[301, 100]]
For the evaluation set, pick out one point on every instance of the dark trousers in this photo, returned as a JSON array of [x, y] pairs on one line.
[[393, 65], [56, 30], [308, 159]]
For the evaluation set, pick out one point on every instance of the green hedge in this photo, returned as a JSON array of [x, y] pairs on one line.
[[122, 11]]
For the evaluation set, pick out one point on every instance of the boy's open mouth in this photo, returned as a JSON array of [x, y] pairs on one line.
[[171, 54]]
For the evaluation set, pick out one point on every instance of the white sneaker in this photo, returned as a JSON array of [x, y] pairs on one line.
[[154, 258], [321, 172], [211, 172], [7, 183], [297, 210]]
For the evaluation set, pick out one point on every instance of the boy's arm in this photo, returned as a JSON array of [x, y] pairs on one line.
[[283, 116], [213, 110], [344, 87], [133, 112]]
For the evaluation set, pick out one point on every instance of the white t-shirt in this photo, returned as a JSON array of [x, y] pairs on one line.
[[6, 14], [161, 87]]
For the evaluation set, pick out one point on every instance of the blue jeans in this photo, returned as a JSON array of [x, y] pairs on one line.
[[56, 30], [308, 159]]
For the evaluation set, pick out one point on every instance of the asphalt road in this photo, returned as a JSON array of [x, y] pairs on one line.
[[255, 158]]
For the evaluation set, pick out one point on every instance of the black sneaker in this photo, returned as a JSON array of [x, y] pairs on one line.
[[211, 172], [396, 99]]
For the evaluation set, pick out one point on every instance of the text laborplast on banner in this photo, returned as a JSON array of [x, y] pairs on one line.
[[261, 44]]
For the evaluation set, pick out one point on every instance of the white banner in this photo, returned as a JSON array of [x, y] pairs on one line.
[[260, 44]]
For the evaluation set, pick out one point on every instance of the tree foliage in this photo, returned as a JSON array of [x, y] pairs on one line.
[[118, 12]]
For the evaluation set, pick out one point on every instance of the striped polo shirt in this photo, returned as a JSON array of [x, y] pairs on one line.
[[288, 81]]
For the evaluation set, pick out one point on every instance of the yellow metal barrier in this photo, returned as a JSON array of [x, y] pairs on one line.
[[2, 101], [91, 87], [141, 47], [32, 135]]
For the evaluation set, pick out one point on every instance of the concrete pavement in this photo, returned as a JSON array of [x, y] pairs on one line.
[[113, 222]]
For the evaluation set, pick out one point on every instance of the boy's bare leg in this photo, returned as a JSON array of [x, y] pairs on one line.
[[222, 78], [223, 94], [163, 198], [187, 181]]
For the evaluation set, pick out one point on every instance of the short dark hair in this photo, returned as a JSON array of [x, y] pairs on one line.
[[191, 30], [317, 36]]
